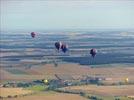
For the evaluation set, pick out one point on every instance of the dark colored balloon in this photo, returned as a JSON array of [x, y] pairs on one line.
[[93, 52], [33, 34], [58, 45], [64, 48]]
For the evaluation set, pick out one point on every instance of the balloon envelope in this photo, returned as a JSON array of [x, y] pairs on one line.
[[64, 47], [58, 45], [93, 52], [126, 80], [33, 34]]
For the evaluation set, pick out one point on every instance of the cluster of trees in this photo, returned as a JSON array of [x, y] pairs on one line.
[[80, 93], [89, 97]]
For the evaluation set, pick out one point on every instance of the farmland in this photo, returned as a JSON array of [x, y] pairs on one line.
[[26, 63], [125, 90], [117, 72], [6, 92], [50, 96]]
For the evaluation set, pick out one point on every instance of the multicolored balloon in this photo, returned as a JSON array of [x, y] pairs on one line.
[[61, 46], [33, 34], [93, 52], [64, 48], [58, 45]]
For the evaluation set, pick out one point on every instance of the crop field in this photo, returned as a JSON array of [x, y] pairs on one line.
[[15, 71], [117, 73], [24, 59], [37, 88], [5, 92], [23, 50], [50, 96], [123, 90]]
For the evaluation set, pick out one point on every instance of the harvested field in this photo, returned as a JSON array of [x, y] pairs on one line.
[[5, 92], [123, 90], [50, 96], [117, 73]]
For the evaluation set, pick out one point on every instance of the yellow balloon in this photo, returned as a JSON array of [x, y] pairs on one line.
[[126, 79], [45, 81]]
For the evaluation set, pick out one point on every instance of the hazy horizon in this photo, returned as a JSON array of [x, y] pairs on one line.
[[34, 15]]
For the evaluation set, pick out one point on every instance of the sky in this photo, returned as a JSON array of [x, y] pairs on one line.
[[66, 14]]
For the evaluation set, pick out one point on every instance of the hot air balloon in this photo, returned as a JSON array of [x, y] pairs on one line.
[[93, 52], [45, 81], [33, 34], [126, 80], [58, 45], [64, 47]]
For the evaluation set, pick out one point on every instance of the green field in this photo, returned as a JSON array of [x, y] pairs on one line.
[[38, 87], [16, 71]]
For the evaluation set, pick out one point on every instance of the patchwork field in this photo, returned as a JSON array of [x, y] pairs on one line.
[[5, 92], [116, 73], [124, 90], [50, 96], [26, 59]]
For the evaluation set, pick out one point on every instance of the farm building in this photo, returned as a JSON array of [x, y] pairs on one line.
[[62, 80], [91, 80]]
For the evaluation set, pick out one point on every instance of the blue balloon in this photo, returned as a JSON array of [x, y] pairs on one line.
[[64, 48]]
